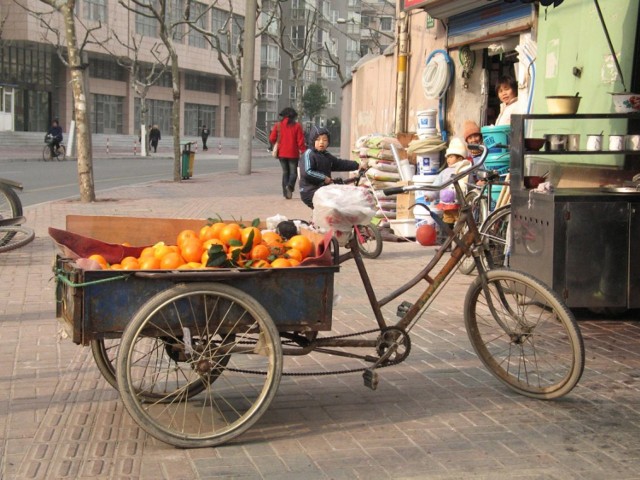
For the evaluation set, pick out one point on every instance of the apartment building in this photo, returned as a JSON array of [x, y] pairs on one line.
[[342, 33], [34, 82]]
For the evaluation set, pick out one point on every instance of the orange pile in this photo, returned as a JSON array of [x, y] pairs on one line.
[[218, 245]]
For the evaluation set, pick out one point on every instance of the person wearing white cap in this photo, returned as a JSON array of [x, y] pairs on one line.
[[456, 157]]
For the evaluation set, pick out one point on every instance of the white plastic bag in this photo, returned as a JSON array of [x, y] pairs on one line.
[[340, 207]]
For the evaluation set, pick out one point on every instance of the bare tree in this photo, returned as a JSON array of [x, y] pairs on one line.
[[70, 53], [171, 16], [227, 38], [143, 74], [299, 43]]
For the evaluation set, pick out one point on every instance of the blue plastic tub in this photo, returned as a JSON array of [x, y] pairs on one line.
[[500, 163], [496, 135]]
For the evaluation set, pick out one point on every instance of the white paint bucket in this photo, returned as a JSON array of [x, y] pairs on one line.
[[426, 120], [428, 164]]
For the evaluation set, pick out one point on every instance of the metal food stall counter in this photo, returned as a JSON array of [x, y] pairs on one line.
[[582, 242]]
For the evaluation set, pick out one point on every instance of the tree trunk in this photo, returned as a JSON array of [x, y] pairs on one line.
[[78, 87], [175, 115]]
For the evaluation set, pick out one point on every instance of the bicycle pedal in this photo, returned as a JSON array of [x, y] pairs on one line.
[[370, 379], [403, 308]]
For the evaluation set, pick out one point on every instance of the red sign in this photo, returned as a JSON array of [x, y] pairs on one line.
[[411, 4]]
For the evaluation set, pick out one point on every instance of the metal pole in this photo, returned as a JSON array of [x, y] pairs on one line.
[[613, 51], [401, 88], [247, 96]]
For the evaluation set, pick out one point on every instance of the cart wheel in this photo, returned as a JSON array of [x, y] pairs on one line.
[[211, 337], [105, 353]]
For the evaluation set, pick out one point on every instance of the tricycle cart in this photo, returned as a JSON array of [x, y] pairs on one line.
[[197, 356]]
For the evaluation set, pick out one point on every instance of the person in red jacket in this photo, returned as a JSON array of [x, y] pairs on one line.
[[290, 138]]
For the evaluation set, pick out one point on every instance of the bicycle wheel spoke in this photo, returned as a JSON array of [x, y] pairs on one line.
[[525, 336]]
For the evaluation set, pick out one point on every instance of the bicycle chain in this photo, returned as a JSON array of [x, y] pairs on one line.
[[320, 374]]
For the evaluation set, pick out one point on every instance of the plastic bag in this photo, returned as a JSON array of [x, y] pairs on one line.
[[340, 207]]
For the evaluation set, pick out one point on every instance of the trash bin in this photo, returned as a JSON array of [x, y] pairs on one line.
[[188, 158]]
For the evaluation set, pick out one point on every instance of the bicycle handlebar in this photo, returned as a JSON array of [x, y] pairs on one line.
[[437, 188]]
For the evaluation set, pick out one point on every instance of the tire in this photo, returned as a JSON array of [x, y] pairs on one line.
[[15, 236], [543, 356], [10, 204], [105, 353], [494, 233], [369, 241], [234, 353], [46, 154], [62, 153]]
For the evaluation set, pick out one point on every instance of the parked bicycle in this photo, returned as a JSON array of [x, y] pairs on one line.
[[52, 151], [493, 222], [12, 233]]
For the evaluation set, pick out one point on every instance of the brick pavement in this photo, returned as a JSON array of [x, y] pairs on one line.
[[439, 415]]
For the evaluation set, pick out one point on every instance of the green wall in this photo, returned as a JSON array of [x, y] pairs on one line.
[[571, 35]]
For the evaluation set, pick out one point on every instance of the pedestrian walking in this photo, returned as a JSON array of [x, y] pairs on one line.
[[154, 137], [205, 136], [288, 143]]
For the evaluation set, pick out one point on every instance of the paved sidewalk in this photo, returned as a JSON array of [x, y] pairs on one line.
[[439, 415]]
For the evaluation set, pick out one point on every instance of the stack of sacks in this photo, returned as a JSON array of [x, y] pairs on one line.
[[375, 149]]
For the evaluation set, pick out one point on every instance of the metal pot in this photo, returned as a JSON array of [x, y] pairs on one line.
[[555, 142]]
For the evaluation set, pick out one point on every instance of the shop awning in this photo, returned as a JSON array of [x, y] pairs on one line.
[[442, 9]]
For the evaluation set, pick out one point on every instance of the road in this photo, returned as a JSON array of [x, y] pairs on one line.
[[47, 181]]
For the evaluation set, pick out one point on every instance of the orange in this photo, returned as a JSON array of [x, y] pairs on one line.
[[160, 251], [213, 241], [230, 232], [281, 263], [246, 232], [271, 237], [277, 249], [171, 260], [216, 228], [208, 232], [294, 253], [259, 252], [116, 266], [130, 263], [294, 262], [100, 259], [301, 243], [149, 263], [184, 235], [191, 250], [260, 264], [147, 251]]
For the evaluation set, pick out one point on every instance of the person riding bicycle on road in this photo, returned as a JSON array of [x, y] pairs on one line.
[[54, 137], [316, 165]]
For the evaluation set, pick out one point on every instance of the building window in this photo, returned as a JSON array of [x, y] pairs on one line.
[[297, 36], [107, 69], [200, 83], [197, 39], [196, 115], [108, 113], [95, 10], [158, 113], [331, 97], [146, 26], [270, 56], [271, 88], [220, 27], [386, 24]]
